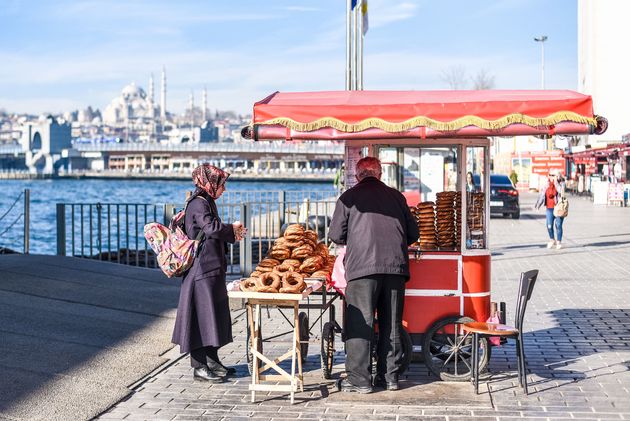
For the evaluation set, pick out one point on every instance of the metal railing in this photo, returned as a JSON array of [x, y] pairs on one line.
[[10, 218], [114, 232]]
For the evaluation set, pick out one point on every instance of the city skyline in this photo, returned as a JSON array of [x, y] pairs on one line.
[[70, 55]]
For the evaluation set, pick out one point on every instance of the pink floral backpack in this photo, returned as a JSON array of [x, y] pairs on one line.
[[175, 251]]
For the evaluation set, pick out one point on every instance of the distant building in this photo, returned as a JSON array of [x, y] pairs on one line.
[[603, 63], [43, 142]]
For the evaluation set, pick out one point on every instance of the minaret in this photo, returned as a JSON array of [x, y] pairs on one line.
[[204, 106], [151, 89], [151, 104], [191, 107], [192, 115], [163, 98], [151, 96]]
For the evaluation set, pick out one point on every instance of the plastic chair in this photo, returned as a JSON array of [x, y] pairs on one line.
[[483, 329]]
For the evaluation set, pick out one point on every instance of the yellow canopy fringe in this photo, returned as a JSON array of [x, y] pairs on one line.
[[422, 121]]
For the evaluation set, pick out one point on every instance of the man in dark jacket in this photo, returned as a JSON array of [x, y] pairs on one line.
[[375, 224]]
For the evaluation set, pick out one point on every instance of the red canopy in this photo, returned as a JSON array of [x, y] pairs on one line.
[[402, 114]]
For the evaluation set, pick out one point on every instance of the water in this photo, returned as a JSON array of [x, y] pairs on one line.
[[45, 194]]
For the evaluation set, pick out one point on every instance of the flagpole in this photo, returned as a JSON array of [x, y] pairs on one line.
[[360, 33], [348, 45], [355, 47]]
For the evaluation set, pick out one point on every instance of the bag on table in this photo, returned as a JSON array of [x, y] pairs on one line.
[[338, 276], [561, 209]]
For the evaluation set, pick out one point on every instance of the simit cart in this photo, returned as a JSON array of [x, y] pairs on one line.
[[428, 142]]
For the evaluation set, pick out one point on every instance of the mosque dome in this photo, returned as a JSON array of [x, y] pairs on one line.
[[133, 103], [132, 91]]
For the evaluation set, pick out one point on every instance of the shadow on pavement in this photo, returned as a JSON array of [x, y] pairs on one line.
[[560, 354], [607, 244], [76, 333]]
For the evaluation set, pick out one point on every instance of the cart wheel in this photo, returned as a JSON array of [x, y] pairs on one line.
[[328, 349], [448, 351], [407, 352], [250, 358], [304, 335]]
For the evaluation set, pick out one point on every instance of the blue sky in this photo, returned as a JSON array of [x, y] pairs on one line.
[[63, 55]]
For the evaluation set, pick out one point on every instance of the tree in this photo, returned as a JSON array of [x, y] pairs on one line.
[[483, 80], [455, 77]]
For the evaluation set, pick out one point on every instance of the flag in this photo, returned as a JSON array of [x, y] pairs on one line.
[[353, 4], [364, 12]]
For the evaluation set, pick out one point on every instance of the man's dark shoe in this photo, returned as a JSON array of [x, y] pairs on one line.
[[380, 382], [205, 374], [345, 386]]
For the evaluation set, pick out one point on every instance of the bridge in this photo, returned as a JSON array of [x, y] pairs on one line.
[[282, 157]]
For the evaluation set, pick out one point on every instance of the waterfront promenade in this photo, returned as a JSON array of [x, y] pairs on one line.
[[577, 324], [100, 329]]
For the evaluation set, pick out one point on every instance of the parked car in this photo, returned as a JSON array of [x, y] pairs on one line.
[[504, 198]]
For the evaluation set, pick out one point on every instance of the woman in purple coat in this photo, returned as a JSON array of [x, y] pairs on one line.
[[203, 323]]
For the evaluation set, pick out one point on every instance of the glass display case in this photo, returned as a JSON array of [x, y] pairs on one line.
[[438, 181]]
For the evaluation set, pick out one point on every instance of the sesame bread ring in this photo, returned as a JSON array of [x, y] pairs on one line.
[[312, 244], [281, 242], [311, 235], [293, 238], [283, 268], [269, 262], [269, 279], [294, 230], [280, 253], [263, 269], [301, 252], [292, 262], [248, 284], [322, 250], [255, 274], [293, 283], [295, 243], [312, 264], [320, 274]]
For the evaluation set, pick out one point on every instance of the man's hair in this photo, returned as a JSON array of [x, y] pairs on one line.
[[368, 167]]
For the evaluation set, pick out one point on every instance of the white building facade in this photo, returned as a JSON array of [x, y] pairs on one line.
[[603, 62]]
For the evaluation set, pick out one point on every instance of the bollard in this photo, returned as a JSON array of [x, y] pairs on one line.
[[61, 229], [27, 220]]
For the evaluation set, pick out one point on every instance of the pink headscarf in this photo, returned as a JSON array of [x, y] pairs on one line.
[[209, 178]]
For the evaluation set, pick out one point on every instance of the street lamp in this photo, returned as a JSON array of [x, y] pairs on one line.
[[542, 40]]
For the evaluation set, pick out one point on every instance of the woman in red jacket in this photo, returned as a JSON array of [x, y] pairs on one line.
[[549, 196]]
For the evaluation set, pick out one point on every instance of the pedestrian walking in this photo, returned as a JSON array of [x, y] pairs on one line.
[[203, 323], [374, 223], [549, 196]]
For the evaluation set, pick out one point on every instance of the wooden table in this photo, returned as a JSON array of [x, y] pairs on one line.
[[292, 382]]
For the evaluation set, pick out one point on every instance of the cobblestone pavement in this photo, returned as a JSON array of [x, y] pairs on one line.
[[577, 333]]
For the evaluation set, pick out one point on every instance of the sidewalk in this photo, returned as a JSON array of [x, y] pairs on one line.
[[577, 334]]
